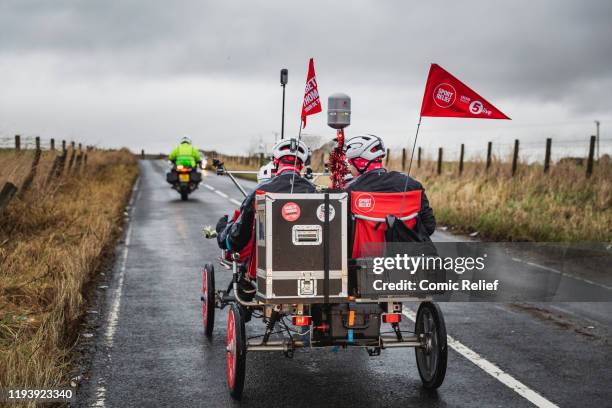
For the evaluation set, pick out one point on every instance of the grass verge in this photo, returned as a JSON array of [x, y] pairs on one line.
[[52, 241]]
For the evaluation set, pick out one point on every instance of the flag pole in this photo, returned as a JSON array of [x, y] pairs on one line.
[[414, 145], [416, 136], [295, 157]]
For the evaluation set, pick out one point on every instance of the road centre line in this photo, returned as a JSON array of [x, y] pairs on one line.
[[493, 370], [234, 201], [221, 193], [208, 186], [567, 275]]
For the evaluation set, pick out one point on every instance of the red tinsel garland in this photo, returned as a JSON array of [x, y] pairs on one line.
[[336, 163]]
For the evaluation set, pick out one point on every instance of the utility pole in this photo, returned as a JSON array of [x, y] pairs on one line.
[[284, 78], [597, 136]]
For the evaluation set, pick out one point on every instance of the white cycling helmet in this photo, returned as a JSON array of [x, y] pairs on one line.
[[291, 147], [368, 147], [185, 139], [266, 172]]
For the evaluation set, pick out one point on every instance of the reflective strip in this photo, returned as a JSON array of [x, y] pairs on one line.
[[374, 219]]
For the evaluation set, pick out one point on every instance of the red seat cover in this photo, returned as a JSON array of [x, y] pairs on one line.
[[379, 205]]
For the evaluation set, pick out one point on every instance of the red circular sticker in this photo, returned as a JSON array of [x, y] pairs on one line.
[[290, 211], [365, 202], [444, 95]]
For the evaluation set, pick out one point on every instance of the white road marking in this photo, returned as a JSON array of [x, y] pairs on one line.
[[221, 193], [567, 275], [238, 203], [493, 370], [208, 186], [113, 317]]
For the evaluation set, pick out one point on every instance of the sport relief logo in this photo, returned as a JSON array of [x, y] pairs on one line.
[[444, 95], [364, 202], [290, 211]]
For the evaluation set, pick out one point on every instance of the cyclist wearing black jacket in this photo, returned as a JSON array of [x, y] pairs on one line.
[[288, 163], [364, 155]]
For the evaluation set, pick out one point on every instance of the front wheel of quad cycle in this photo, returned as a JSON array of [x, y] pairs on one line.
[[208, 299], [432, 356], [235, 351]]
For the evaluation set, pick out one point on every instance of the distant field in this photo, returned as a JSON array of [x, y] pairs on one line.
[[53, 239]]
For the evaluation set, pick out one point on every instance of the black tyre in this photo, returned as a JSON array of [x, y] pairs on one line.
[[208, 299], [432, 358], [184, 194], [235, 351]]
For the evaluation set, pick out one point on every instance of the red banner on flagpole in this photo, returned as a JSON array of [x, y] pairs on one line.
[[446, 96], [312, 103]]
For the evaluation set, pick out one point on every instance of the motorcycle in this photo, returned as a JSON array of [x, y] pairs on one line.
[[184, 179]]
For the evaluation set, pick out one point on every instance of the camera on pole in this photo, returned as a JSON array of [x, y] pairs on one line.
[[284, 78], [338, 111]]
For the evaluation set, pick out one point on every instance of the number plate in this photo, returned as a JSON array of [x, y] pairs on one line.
[[184, 178]]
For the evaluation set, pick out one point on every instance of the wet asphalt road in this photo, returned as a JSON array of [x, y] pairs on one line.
[[151, 350]]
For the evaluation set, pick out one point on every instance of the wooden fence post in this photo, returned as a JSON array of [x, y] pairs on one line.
[[440, 160], [142, 154], [72, 144], [489, 149], [71, 160], [404, 159], [419, 158], [515, 157], [461, 159], [52, 145], [27, 183], [37, 142], [547, 155], [7, 193], [388, 157], [589, 169], [64, 146], [17, 142]]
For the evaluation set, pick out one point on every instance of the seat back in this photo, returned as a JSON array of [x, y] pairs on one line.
[[369, 211]]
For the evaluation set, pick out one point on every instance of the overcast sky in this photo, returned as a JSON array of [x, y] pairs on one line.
[[142, 73]]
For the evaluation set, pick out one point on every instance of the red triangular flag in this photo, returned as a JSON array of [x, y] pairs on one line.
[[312, 103], [446, 96]]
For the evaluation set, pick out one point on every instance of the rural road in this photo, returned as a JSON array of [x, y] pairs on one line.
[[150, 349]]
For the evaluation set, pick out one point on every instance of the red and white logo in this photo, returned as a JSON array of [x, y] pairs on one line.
[[364, 202], [444, 95], [290, 211]]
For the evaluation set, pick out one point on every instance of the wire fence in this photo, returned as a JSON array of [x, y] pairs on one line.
[[65, 159]]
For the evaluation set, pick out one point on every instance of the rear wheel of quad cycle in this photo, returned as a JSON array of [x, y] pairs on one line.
[[208, 299], [235, 351], [431, 359]]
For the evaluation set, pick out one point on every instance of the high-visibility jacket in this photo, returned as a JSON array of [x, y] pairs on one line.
[[185, 154]]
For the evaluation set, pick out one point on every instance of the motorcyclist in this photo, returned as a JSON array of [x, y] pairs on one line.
[[185, 154], [289, 158], [365, 155]]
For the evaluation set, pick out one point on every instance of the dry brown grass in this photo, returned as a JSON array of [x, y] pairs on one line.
[[51, 243], [563, 205]]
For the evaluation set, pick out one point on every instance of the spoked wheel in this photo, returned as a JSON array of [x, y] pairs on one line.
[[208, 299], [431, 359], [235, 351]]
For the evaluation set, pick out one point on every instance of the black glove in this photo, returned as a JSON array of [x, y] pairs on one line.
[[221, 224]]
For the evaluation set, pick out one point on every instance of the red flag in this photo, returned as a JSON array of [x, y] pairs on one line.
[[312, 103], [446, 96]]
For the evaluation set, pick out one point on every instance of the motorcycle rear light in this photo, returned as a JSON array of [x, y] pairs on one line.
[[392, 318], [301, 320]]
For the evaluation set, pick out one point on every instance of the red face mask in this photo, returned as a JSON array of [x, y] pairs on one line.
[[361, 164]]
